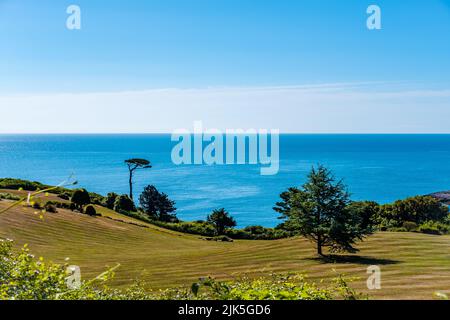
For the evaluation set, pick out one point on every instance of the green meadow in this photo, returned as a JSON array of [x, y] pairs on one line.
[[413, 265]]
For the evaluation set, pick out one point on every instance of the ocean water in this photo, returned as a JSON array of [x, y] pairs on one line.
[[382, 168]]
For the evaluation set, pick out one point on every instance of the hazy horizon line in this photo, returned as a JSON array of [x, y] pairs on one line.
[[170, 133]]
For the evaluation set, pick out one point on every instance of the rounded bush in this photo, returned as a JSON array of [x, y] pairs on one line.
[[36, 205], [409, 226], [51, 208], [80, 198], [124, 203], [90, 211]]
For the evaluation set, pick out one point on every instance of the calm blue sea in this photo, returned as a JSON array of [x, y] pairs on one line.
[[375, 167]]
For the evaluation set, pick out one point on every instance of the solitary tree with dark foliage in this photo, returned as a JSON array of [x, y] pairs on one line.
[[80, 198], [221, 220], [133, 165], [157, 205], [110, 200], [319, 211]]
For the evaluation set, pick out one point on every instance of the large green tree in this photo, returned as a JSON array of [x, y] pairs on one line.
[[221, 220], [133, 165], [319, 211], [157, 205]]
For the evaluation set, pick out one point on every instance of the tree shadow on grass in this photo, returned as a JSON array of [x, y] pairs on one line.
[[353, 259]]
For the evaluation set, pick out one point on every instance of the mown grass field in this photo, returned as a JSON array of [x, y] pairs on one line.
[[413, 265]]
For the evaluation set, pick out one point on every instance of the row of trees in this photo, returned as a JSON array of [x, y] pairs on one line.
[[154, 204], [158, 206], [320, 210]]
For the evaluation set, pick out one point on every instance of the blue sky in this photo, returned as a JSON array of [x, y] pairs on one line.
[[137, 48]]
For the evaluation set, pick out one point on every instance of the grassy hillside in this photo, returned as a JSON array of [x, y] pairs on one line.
[[413, 265]]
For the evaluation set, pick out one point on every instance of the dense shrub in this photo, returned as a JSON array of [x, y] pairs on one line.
[[61, 205], [367, 210], [397, 229], [255, 230], [64, 193], [434, 227], [90, 211], [259, 232], [138, 215], [405, 215], [400, 216], [96, 199], [109, 200], [219, 239], [184, 227], [50, 208], [409, 226], [412, 214], [15, 184], [203, 229], [124, 203], [8, 196], [206, 229], [417, 209], [36, 205], [80, 198]]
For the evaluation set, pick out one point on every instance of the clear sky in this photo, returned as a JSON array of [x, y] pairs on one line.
[[158, 65]]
